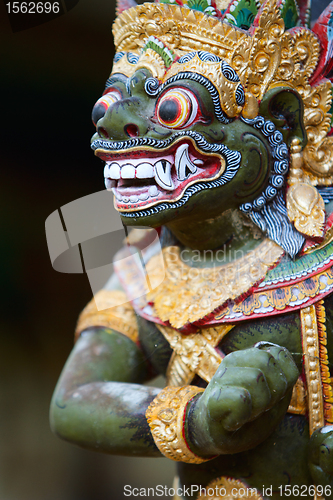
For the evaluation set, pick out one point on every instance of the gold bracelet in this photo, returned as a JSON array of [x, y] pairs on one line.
[[112, 315], [165, 417]]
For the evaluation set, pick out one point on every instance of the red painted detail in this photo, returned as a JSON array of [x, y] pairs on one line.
[[131, 130]]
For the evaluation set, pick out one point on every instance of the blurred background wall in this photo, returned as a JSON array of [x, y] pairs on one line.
[[51, 75]]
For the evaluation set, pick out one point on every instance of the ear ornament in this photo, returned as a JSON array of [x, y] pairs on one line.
[[305, 206]]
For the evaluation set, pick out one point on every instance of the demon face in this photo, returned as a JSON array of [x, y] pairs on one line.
[[178, 146]]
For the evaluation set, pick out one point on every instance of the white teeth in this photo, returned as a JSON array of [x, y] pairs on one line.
[[114, 171], [161, 171], [153, 191], [145, 171], [106, 170], [127, 172], [117, 195], [184, 166], [163, 174]]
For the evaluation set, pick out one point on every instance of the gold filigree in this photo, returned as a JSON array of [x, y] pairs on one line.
[[193, 354], [222, 4], [180, 28], [328, 238], [306, 46], [153, 62], [229, 489], [306, 209], [265, 53], [310, 343], [134, 26], [239, 59], [305, 206], [319, 162], [298, 402], [165, 416], [324, 362], [317, 104], [188, 294], [288, 65], [114, 312], [318, 157]]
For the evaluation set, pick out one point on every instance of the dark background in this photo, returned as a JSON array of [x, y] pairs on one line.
[[51, 75]]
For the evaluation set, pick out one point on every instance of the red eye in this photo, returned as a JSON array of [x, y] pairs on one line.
[[177, 108], [103, 103]]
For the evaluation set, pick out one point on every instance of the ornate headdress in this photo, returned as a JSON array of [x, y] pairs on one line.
[[268, 45]]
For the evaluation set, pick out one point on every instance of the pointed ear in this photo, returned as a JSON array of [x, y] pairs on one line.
[[284, 107]]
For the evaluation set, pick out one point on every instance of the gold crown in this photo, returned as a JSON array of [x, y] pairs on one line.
[[270, 55]]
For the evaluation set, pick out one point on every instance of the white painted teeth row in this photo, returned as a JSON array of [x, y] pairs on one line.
[[142, 171], [161, 170], [151, 193]]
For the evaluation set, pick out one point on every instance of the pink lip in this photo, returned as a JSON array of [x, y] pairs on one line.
[[135, 193]]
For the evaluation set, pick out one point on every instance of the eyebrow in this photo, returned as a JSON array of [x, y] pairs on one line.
[[189, 75], [116, 78]]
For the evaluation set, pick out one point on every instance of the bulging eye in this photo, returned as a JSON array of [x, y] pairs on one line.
[[110, 97], [177, 108]]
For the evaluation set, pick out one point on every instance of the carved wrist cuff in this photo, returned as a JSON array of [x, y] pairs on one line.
[[166, 418]]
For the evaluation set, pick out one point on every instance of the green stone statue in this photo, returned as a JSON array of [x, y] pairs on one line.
[[215, 129]]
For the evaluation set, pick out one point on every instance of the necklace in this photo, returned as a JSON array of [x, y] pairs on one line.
[[187, 294]]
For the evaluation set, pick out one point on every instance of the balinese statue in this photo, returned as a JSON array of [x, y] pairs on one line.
[[215, 129]]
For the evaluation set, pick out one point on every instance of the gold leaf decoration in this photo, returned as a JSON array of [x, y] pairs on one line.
[[203, 290], [265, 53], [152, 61], [306, 209], [318, 157], [180, 28]]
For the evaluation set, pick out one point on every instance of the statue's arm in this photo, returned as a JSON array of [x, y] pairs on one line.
[[98, 402]]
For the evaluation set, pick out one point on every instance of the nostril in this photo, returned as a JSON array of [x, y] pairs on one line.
[[102, 132], [131, 130]]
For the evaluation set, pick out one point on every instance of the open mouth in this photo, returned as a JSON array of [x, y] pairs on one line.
[[142, 177]]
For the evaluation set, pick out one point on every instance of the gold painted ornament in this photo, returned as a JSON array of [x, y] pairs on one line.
[[306, 208], [188, 294], [165, 416], [229, 489]]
